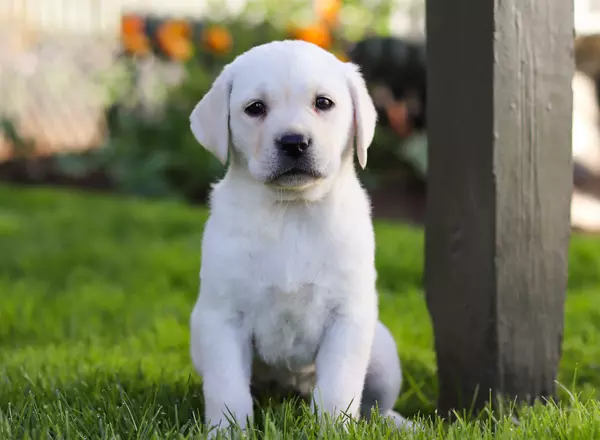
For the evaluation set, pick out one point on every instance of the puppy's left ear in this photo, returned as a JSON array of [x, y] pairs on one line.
[[365, 115], [209, 121]]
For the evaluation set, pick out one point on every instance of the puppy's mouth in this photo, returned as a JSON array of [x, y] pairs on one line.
[[294, 177], [298, 172]]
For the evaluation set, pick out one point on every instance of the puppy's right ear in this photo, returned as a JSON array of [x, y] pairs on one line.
[[209, 120]]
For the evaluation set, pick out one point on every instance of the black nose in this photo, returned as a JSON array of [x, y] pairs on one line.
[[293, 145]]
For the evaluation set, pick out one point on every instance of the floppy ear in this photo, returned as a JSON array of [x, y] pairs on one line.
[[209, 120], [365, 115]]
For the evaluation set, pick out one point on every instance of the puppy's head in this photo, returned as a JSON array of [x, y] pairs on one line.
[[290, 111]]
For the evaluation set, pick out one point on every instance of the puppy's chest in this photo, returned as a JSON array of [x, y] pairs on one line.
[[287, 326], [293, 293], [291, 277]]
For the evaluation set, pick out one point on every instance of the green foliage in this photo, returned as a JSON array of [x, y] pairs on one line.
[[150, 150], [21, 147], [358, 16], [153, 153], [95, 297]]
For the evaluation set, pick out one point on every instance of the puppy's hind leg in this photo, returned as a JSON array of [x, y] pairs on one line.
[[384, 378]]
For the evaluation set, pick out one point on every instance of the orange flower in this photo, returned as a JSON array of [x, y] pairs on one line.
[[181, 28], [181, 49], [328, 11], [132, 24], [174, 39], [317, 34], [217, 39], [133, 38]]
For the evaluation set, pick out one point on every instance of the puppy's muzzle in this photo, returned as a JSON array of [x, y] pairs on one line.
[[295, 164], [293, 145]]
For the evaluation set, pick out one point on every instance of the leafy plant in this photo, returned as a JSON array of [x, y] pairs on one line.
[[21, 145], [150, 150]]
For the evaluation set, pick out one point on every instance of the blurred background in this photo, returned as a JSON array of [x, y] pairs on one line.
[[97, 93]]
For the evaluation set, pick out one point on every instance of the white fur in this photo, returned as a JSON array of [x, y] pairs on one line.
[[288, 272], [586, 122], [585, 208]]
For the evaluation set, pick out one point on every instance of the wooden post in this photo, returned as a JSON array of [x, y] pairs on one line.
[[499, 189]]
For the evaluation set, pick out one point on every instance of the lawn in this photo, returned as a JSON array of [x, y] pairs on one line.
[[95, 295]]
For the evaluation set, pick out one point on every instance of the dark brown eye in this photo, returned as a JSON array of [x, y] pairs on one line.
[[256, 109], [322, 103]]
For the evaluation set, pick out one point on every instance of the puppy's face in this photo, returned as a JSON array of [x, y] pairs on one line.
[[291, 116], [292, 110]]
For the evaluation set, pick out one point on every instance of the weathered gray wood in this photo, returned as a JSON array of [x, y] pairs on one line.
[[499, 188]]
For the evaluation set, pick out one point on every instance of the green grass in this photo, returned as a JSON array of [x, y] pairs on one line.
[[95, 295]]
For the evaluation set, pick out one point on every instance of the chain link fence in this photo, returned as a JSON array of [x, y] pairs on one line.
[[59, 64], [51, 71], [53, 92]]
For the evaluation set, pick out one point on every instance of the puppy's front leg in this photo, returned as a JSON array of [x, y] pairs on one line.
[[221, 353], [342, 363]]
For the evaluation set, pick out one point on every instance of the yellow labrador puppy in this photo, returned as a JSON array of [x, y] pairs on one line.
[[288, 274]]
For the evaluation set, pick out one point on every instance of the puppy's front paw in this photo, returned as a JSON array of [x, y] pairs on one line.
[[225, 430], [229, 422], [402, 423]]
